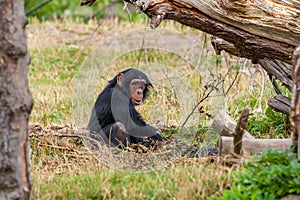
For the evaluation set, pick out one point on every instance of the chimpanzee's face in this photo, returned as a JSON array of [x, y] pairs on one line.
[[137, 87]]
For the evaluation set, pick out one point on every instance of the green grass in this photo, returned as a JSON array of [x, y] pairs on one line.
[[180, 182], [52, 83]]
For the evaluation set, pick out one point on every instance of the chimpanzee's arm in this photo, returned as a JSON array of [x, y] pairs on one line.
[[123, 111]]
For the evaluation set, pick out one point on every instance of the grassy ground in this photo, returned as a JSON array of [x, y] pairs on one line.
[[63, 169]]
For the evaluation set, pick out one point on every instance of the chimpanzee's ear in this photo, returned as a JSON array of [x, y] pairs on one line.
[[120, 79]]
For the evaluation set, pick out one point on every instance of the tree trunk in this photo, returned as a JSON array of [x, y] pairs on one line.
[[15, 102], [295, 104]]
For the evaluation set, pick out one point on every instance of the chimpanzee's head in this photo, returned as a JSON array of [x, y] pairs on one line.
[[135, 83]]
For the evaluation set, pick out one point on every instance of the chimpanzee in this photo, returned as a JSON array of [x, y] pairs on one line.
[[114, 117]]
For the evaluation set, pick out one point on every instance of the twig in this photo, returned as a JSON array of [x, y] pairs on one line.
[[37, 7], [232, 83], [142, 46], [199, 61], [262, 88], [125, 7], [172, 86], [201, 100], [65, 135], [275, 85], [57, 135], [103, 9], [88, 42]]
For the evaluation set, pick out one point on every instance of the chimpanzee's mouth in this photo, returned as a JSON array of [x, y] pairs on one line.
[[137, 101]]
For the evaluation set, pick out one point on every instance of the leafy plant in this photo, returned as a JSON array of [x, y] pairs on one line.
[[273, 123], [53, 8], [272, 175]]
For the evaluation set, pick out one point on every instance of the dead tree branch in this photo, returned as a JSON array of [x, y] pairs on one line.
[[280, 103]]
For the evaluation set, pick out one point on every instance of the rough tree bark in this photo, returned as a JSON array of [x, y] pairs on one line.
[[15, 102], [295, 104]]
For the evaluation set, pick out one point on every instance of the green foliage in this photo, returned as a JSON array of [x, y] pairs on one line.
[[54, 8], [201, 133], [273, 123], [272, 175], [69, 8]]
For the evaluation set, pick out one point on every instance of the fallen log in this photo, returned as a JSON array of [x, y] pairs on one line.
[[281, 70], [253, 147]]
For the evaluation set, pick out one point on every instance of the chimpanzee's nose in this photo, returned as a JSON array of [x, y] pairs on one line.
[[139, 91]]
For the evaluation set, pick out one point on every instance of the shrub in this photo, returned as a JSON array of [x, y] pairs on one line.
[[272, 175], [271, 124]]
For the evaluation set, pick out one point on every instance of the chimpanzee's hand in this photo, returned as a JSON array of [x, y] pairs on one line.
[[148, 142]]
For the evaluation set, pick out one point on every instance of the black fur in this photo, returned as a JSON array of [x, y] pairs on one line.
[[103, 120]]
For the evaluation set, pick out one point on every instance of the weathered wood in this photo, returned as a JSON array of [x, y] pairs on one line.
[[276, 19], [295, 104], [15, 102], [253, 147], [225, 125], [281, 104], [240, 130], [219, 45], [282, 71]]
